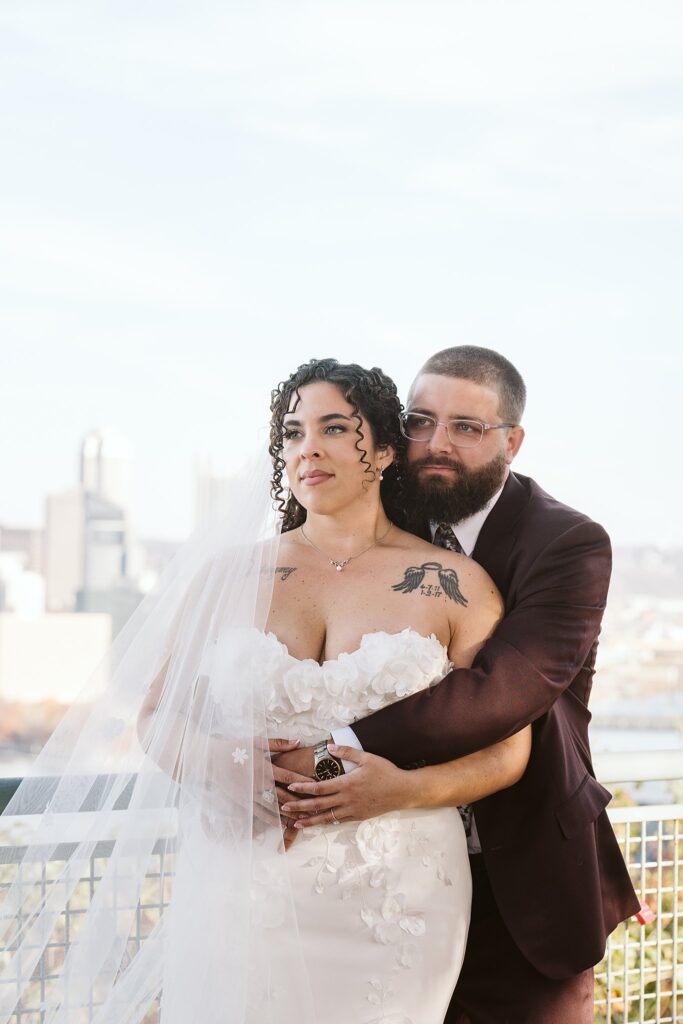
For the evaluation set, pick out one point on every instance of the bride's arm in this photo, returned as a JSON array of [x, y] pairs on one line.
[[175, 741], [166, 754]]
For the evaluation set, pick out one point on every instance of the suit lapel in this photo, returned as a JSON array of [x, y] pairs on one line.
[[497, 535]]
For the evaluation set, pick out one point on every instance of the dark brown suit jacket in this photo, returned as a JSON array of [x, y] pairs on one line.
[[551, 855]]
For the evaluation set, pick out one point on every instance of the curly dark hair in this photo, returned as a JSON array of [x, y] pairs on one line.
[[374, 398]]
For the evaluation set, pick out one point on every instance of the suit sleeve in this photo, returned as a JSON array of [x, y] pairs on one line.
[[535, 653]]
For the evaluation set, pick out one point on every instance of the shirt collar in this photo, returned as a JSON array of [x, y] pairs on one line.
[[468, 530]]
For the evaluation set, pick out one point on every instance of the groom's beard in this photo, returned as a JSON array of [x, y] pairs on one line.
[[442, 500]]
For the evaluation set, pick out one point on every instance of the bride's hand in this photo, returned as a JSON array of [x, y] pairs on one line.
[[269, 779], [290, 762], [375, 787]]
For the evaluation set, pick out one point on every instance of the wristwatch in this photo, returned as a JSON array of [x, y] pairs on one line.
[[324, 765]]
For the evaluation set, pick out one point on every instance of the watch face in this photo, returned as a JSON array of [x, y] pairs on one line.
[[327, 768]]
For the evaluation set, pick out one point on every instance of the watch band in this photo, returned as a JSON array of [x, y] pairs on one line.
[[320, 753]]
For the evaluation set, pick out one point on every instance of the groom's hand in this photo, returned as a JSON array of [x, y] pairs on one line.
[[375, 787]]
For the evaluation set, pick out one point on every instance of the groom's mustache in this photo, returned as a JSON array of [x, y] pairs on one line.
[[435, 460]]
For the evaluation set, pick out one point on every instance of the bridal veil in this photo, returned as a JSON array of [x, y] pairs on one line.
[[159, 776]]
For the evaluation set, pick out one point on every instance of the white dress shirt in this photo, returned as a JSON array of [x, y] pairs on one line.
[[467, 531]]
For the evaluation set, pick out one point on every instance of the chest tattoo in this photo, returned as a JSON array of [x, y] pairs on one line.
[[414, 576], [283, 571]]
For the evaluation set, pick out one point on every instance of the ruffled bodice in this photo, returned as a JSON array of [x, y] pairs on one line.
[[305, 699]]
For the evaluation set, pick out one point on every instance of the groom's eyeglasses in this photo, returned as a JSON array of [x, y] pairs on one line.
[[461, 433]]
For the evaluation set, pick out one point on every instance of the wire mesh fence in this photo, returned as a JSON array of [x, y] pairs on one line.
[[41, 879], [641, 977]]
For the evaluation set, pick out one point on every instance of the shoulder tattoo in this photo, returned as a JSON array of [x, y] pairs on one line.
[[413, 579]]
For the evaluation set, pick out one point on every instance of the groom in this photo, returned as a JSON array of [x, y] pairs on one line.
[[549, 880]]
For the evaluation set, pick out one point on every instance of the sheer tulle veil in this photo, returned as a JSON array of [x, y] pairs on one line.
[[183, 791]]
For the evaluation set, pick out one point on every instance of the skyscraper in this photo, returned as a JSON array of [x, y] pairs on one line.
[[106, 463], [212, 490], [89, 563], [64, 548]]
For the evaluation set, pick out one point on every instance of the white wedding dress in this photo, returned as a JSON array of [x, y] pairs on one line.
[[382, 906]]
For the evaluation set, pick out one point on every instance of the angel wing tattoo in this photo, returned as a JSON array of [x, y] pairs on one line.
[[412, 579], [448, 578]]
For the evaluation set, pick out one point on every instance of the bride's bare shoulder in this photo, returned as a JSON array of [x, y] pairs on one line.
[[467, 574]]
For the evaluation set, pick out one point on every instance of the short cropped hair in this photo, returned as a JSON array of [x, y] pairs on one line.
[[486, 367]]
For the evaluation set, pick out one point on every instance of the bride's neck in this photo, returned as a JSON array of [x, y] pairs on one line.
[[345, 531]]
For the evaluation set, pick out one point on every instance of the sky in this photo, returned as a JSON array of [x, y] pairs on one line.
[[194, 199]]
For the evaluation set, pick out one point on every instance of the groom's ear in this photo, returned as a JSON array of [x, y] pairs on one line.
[[514, 443]]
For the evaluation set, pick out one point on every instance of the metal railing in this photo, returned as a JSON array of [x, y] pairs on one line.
[[30, 1008], [641, 976], [639, 981]]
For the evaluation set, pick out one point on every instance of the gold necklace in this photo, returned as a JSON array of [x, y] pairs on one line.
[[340, 565]]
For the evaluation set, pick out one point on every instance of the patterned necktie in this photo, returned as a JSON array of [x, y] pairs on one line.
[[444, 537]]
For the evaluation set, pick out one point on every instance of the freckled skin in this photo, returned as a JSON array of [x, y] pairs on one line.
[[319, 612]]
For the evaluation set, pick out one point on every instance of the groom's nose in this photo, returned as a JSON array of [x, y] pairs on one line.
[[440, 441]]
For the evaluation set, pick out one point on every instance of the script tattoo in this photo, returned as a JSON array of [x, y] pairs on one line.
[[448, 578], [283, 571]]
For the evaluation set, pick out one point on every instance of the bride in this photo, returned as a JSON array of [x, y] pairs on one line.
[[345, 613]]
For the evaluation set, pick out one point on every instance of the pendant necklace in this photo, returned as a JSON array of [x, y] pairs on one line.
[[340, 565]]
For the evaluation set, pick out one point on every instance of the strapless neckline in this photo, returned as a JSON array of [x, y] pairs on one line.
[[366, 637], [305, 698]]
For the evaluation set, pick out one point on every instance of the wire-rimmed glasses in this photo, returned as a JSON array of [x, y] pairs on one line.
[[417, 426]]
